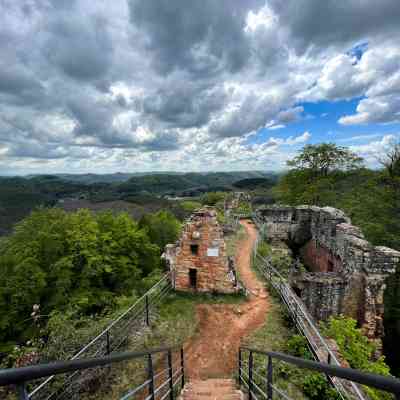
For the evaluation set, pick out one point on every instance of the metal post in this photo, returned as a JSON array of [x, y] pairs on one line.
[[147, 310], [250, 375], [22, 392], [170, 375], [240, 367], [108, 342], [183, 368], [150, 376], [269, 378]]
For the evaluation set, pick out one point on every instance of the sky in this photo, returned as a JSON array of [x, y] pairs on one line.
[[176, 85]]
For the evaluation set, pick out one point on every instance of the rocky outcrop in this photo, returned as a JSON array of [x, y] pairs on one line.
[[346, 273]]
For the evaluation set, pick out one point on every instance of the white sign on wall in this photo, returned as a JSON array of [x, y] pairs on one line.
[[212, 252]]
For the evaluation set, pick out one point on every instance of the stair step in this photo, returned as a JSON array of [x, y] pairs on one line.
[[211, 389]]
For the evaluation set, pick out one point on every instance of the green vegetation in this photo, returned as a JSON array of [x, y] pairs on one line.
[[176, 323], [327, 175], [161, 227], [80, 264], [255, 183], [279, 334], [357, 350], [212, 198]]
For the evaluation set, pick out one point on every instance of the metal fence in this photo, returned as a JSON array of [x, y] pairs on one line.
[[112, 338], [256, 374], [162, 373], [303, 320]]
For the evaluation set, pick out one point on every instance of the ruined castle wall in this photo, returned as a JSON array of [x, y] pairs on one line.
[[328, 242], [322, 293], [198, 261]]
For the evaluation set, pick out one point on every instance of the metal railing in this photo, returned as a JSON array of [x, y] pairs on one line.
[[259, 379], [112, 338], [303, 320], [161, 377]]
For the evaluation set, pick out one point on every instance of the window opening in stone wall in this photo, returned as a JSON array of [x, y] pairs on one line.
[[330, 266], [193, 278], [194, 248]]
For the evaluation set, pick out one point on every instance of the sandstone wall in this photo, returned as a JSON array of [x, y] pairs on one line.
[[208, 262], [329, 243]]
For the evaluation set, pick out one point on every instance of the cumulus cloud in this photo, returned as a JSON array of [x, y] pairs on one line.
[[133, 84]]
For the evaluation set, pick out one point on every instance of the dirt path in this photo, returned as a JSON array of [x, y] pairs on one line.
[[213, 352]]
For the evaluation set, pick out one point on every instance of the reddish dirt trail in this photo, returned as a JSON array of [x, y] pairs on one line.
[[213, 352]]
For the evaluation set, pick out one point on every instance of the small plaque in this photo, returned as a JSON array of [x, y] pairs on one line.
[[212, 252]]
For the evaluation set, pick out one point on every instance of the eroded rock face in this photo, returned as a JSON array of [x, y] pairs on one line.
[[348, 273], [198, 261]]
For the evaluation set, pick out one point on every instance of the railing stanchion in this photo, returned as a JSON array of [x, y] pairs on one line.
[[170, 375], [150, 376], [147, 310], [22, 393], [240, 367], [250, 375], [183, 368], [108, 342], [269, 378]]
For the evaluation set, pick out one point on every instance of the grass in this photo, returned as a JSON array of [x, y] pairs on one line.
[[233, 239], [176, 323]]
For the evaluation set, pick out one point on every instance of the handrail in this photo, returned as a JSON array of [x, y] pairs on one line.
[[17, 375], [386, 383], [300, 315], [20, 376], [106, 331]]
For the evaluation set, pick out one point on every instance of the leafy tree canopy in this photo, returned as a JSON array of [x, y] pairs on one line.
[[162, 228], [321, 159], [55, 260]]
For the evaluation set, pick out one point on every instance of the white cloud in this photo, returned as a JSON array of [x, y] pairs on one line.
[[373, 151], [184, 90]]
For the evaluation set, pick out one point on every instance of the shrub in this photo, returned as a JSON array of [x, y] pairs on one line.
[[316, 387], [297, 346], [358, 350]]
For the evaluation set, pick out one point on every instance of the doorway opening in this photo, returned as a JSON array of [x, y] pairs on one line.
[[193, 278]]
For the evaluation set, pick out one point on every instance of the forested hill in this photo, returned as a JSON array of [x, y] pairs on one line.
[[20, 195]]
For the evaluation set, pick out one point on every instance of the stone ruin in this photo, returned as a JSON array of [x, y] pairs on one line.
[[346, 273], [198, 261]]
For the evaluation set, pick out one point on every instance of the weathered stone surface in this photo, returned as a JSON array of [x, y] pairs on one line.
[[198, 261], [348, 273]]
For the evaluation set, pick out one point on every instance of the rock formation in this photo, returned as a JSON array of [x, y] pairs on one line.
[[346, 273]]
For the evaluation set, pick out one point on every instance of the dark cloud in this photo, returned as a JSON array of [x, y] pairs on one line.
[[333, 22], [186, 105], [83, 79], [82, 48], [16, 81], [199, 37]]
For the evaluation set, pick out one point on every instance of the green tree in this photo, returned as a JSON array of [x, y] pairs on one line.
[[212, 198], [162, 228], [358, 350], [321, 159], [54, 261]]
